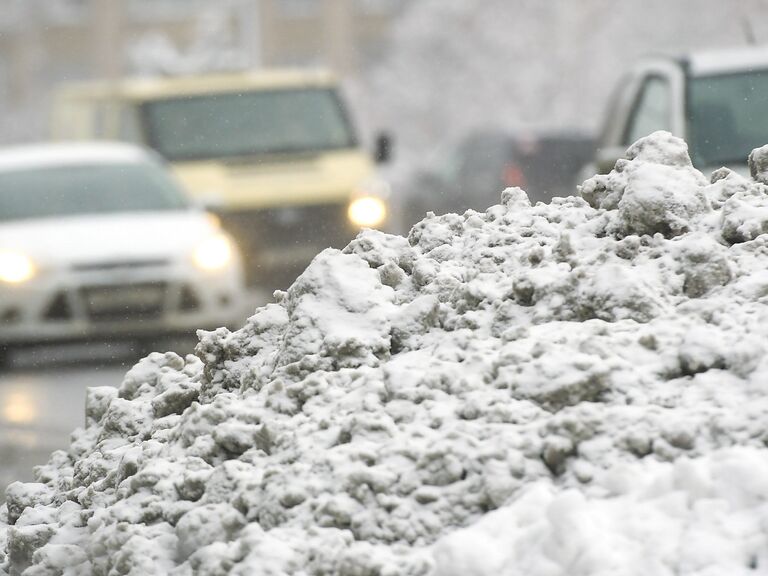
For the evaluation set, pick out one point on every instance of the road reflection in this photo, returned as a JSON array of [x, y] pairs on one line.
[[20, 405]]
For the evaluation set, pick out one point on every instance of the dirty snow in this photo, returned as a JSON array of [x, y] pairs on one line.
[[572, 389]]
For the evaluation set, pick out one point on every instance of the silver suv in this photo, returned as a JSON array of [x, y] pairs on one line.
[[717, 101]]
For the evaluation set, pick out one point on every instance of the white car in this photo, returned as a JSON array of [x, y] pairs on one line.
[[98, 241], [715, 100]]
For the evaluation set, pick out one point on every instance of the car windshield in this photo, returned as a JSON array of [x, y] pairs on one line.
[[246, 124], [86, 189], [727, 117]]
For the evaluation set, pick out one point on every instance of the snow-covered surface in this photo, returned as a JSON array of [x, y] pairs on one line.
[[568, 389]]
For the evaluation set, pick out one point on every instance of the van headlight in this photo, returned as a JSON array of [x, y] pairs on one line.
[[213, 254], [367, 211], [16, 268]]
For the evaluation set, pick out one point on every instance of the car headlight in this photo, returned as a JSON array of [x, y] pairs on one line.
[[215, 253], [367, 211], [15, 267]]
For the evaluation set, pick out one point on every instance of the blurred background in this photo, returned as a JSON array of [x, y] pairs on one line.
[[257, 132]]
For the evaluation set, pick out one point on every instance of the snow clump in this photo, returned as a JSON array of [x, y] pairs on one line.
[[576, 388]]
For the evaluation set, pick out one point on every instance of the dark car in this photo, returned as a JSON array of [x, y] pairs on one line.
[[473, 172]]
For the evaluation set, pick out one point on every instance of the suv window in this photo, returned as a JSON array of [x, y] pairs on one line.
[[726, 117], [651, 111]]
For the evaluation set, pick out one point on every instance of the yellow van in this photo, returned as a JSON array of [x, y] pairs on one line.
[[273, 153]]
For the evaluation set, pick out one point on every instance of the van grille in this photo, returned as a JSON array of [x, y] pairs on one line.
[[263, 235], [120, 264]]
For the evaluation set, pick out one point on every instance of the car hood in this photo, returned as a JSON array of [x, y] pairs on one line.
[[107, 238], [290, 180]]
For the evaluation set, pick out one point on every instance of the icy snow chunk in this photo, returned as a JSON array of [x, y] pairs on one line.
[[515, 198], [758, 164], [744, 216], [97, 399], [24, 541], [661, 148], [615, 293], [19, 496], [338, 310], [655, 190], [380, 249], [705, 264], [205, 525]]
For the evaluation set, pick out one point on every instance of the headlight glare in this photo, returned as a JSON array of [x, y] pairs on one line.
[[367, 211], [15, 267], [215, 253]]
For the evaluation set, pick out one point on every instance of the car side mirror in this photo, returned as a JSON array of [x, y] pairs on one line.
[[383, 148]]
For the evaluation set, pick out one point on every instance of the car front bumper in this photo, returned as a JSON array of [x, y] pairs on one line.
[[104, 303]]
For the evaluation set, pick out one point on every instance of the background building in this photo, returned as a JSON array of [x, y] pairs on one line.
[[41, 42]]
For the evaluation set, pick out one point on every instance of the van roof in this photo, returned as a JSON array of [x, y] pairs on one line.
[[728, 60], [153, 88]]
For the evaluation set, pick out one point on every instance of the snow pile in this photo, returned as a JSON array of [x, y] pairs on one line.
[[568, 389]]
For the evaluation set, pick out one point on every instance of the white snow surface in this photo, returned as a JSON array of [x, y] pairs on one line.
[[578, 388]]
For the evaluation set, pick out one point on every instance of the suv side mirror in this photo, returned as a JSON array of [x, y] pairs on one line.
[[383, 148]]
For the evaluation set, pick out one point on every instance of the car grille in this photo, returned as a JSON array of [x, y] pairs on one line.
[[322, 225], [119, 264], [124, 302]]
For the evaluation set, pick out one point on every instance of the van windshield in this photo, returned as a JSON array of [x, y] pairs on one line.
[[247, 123], [727, 117], [70, 190]]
